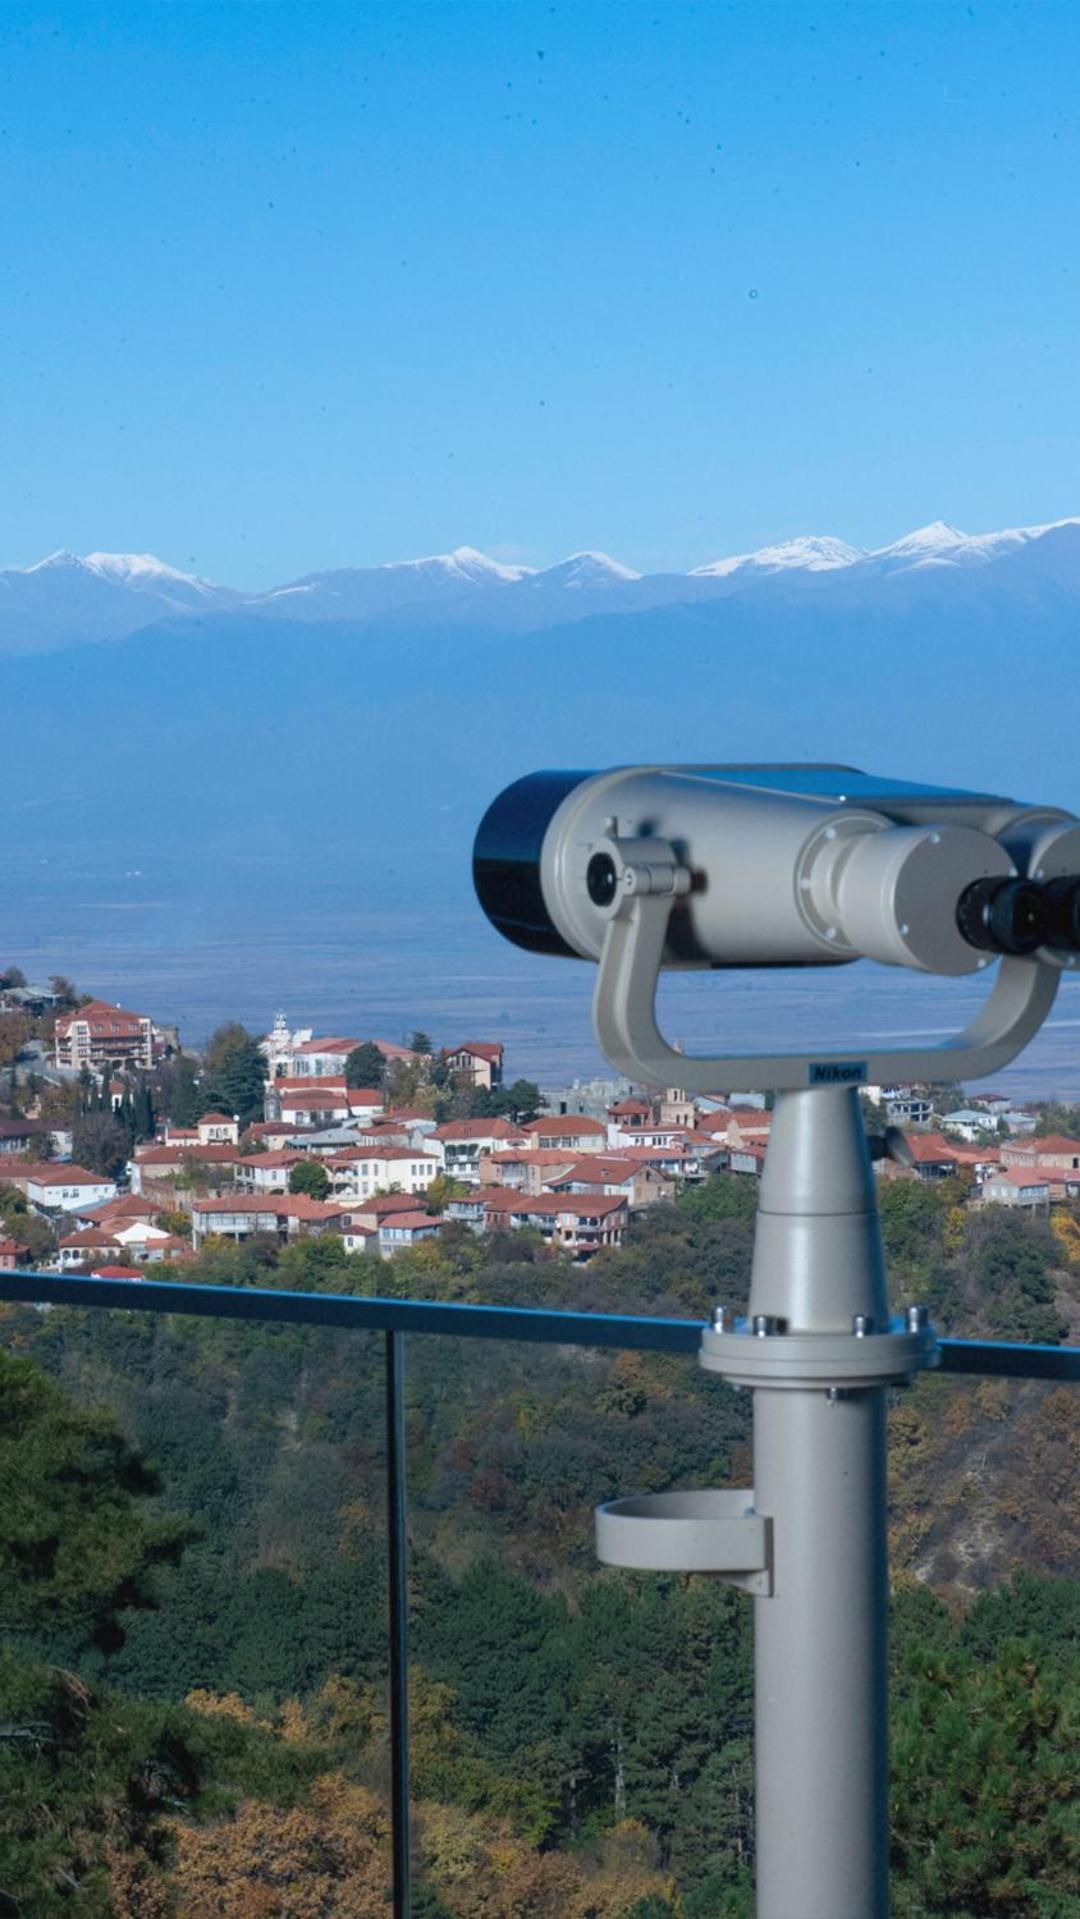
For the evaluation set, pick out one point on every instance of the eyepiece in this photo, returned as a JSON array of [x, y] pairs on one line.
[[1062, 898], [1005, 916]]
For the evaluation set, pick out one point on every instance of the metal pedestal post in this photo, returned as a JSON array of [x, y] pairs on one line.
[[819, 1354], [818, 1351], [821, 1716]]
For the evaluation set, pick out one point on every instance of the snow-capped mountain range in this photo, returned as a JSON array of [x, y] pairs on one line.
[[66, 599]]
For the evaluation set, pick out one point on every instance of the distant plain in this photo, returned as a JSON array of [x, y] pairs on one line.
[[231, 946]]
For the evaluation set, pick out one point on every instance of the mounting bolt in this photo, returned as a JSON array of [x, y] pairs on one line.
[[918, 1318], [861, 1324], [723, 1319], [764, 1324]]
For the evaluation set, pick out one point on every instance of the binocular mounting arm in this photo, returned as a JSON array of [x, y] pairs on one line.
[[624, 1010]]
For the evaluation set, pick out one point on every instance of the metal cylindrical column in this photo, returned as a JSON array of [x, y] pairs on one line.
[[821, 1720], [821, 1724]]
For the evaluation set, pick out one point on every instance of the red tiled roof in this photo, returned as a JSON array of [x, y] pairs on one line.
[[216, 1119], [283, 1206], [498, 1199], [46, 1173], [376, 1208], [483, 1048], [600, 1204], [570, 1125], [310, 1082], [478, 1129], [117, 1272], [1056, 1143], [90, 1237], [974, 1155], [287, 1156], [210, 1155], [1024, 1176], [927, 1149], [601, 1167], [125, 1207], [413, 1220], [104, 1021]]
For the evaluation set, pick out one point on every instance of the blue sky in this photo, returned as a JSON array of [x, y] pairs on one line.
[[294, 286]]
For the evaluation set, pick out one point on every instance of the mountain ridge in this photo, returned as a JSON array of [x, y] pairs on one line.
[[64, 599]]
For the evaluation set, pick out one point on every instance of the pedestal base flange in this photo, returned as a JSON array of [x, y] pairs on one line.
[[794, 1361]]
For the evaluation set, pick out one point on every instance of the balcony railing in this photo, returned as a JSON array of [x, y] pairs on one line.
[[395, 1319]]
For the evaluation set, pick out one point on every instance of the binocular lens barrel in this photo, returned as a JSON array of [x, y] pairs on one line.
[[506, 860], [745, 842]]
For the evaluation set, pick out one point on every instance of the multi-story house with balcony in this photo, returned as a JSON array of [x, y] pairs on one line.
[[360, 1171], [97, 1036], [464, 1142], [577, 1223], [239, 1216], [632, 1179]]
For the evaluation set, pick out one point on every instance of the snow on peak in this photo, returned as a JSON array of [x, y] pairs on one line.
[[480, 565], [926, 542], [812, 553], [62, 559], [138, 569], [589, 568], [940, 545], [464, 563]]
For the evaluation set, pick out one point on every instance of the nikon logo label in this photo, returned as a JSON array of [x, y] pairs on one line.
[[844, 1073]]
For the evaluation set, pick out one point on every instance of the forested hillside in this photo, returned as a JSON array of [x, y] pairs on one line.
[[193, 1715]]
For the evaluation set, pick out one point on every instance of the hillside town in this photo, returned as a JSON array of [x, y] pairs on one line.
[[121, 1152]]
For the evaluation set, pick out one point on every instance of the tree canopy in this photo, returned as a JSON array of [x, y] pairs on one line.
[[308, 1176], [235, 1074], [365, 1066]]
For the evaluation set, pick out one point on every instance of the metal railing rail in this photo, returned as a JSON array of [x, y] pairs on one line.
[[395, 1318], [623, 1331]]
